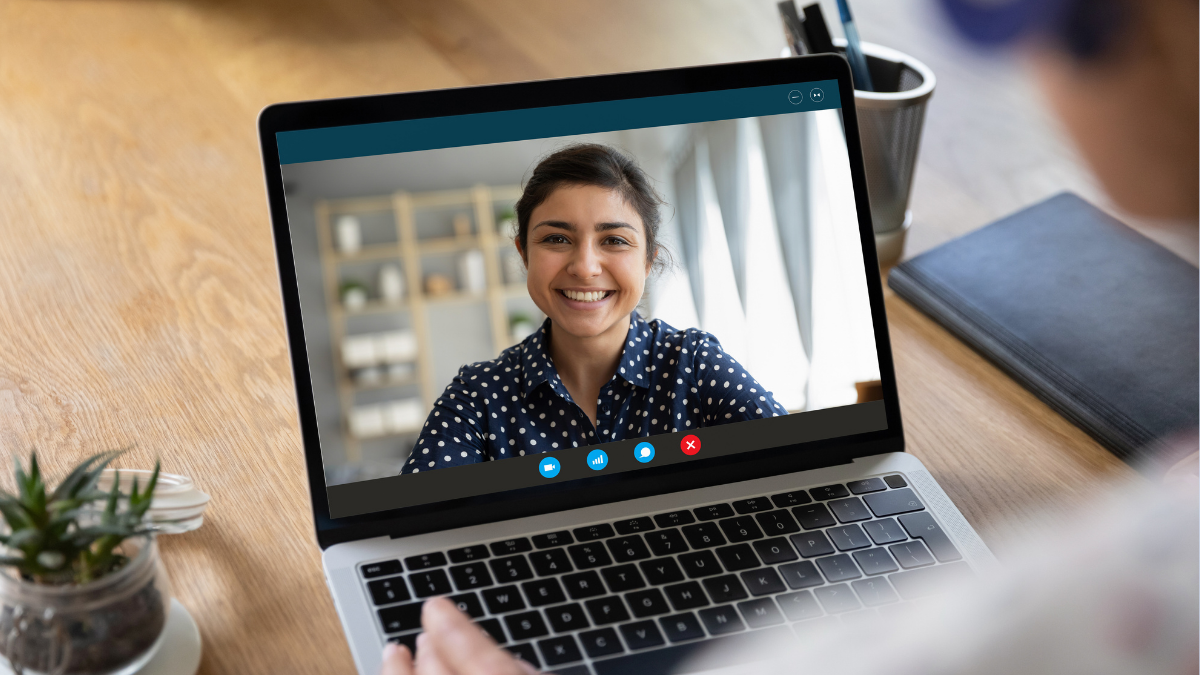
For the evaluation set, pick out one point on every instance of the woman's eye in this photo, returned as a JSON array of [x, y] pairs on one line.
[[555, 239], [616, 241]]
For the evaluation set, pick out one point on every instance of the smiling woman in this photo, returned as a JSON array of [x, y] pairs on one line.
[[596, 371]]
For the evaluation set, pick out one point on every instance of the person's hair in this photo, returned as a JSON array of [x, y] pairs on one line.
[[602, 166]]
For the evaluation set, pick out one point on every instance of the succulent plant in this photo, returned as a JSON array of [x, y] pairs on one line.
[[67, 536]]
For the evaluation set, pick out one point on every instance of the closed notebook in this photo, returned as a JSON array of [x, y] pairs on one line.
[[1095, 319]]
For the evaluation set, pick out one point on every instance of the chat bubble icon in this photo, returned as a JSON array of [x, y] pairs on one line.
[[643, 452]]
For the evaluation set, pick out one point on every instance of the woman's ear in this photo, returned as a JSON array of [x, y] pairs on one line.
[[653, 259], [521, 251]]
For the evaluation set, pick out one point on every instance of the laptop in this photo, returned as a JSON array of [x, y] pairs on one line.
[[444, 258]]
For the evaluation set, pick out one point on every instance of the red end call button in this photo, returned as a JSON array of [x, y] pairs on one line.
[[690, 445]]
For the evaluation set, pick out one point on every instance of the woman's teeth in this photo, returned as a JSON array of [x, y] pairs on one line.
[[588, 296]]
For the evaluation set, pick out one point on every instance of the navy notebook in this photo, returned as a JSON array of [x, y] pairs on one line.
[[1095, 319]]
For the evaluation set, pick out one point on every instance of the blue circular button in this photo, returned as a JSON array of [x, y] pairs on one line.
[[549, 467], [643, 452], [597, 460]]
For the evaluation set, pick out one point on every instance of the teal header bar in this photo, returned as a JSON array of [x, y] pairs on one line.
[[385, 138]]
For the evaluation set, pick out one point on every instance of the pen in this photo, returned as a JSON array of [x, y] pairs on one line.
[[854, 53], [793, 28], [816, 31]]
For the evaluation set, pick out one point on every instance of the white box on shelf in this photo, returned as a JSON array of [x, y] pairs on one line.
[[367, 422], [396, 346], [403, 415], [359, 351], [471, 272], [400, 372]]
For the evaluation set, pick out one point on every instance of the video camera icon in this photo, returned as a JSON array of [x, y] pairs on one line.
[[549, 467]]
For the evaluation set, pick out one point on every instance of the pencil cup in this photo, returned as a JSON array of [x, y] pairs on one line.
[[890, 120]]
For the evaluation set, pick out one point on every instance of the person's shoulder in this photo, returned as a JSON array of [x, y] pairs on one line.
[[508, 361], [684, 338]]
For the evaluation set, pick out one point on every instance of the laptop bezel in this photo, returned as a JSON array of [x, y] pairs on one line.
[[591, 491]]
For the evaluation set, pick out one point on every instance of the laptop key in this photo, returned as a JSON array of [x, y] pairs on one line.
[[699, 564], [594, 532], [552, 561], [812, 516], [837, 598], [742, 528], [641, 635], [812, 544], [764, 581], [790, 499], [753, 505], [687, 595], [566, 618], [588, 556], [559, 650], [381, 569], [543, 592], [503, 599], [661, 571], [848, 537], [775, 523], [713, 511], [760, 613], [430, 582], [849, 510], [628, 548], [647, 603], [471, 575], [622, 578], [674, 519], [400, 618], [922, 526], [409, 640], [603, 642], [838, 567], [512, 568], [703, 535], [607, 610], [526, 653], [387, 591], [722, 620], [666, 542], [494, 630], [634, 525], [774, 551], [553, 539], [886, 531], [829, 492], [911, 554], [424, 562], [468, 603], [799, 606], [893, 502], [468, 553], [874, 592], [875, 561], [583, 585], [510, 546], [862, 487], [801, 574], [526, 625], [737, 557], [895, 482], [725, 589], [680, 627]]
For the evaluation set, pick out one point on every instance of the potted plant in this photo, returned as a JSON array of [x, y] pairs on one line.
[[82, 590]]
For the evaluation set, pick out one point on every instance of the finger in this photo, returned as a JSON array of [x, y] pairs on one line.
[[397, 660], [429, 662], [461, 644]]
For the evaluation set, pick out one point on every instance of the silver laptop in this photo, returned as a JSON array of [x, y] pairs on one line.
[[464, 271]]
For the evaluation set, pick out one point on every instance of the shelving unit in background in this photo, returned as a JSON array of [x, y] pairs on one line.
[[411, 252]]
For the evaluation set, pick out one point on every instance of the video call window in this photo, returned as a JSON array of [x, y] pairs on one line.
[[716, 266]]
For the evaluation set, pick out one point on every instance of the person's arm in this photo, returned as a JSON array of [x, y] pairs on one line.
[[453, 434], [728, 393]]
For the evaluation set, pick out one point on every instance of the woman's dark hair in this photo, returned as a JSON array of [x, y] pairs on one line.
[[602, 166]]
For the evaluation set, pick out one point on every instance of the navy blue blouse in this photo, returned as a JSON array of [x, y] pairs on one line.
[[669, 380]]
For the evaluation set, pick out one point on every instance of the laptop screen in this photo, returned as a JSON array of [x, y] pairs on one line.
[[507, 300]]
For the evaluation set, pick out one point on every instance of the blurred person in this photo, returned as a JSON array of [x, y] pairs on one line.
[[1112, 591], [596, 371]]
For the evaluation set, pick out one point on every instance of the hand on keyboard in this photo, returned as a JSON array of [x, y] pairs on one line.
[[451, 644]]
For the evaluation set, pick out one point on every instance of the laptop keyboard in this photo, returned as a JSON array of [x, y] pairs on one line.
[[638, 595]]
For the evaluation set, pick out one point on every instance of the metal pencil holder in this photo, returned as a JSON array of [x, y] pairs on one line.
[[890, 122]]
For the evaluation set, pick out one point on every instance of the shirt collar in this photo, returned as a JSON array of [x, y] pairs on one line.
[[537, 367]]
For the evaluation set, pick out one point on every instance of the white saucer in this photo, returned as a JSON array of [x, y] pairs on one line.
[[178, 651]]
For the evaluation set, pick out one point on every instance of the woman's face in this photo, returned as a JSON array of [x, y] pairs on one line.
[[586, 256]]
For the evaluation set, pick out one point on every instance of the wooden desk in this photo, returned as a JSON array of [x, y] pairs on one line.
[[139, 302]]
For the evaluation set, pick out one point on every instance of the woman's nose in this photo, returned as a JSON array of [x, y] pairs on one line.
[[585, 263]]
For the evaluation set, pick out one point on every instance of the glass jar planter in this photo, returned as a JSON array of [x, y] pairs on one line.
[[111, 626]]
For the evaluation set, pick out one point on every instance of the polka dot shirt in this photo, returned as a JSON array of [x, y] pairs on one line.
[[668, 380]]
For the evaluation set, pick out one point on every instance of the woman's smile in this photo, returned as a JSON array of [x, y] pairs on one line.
[[588, 299]]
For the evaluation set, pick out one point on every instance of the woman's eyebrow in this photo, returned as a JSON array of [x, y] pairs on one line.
[[604, 227], [556, 223]]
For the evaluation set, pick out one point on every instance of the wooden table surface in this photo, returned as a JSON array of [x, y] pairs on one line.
[[138, 296]]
